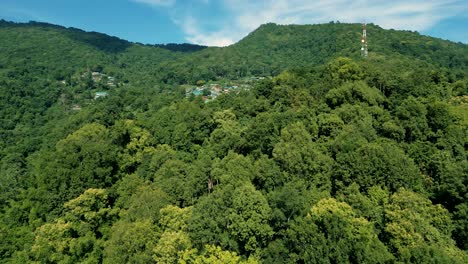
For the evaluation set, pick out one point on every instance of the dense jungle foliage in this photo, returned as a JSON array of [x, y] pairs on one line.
[[331, 158]]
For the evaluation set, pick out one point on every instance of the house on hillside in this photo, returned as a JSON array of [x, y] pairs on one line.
[[100, 94], [76, 107], [96, 76]]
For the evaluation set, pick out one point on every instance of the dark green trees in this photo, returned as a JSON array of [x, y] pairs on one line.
[[84, 159], [340, 160]]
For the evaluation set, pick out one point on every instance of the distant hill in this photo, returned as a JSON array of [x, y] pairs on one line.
[[273, 48], [36, 58], [321, 42], [68, 50], [268, 50]]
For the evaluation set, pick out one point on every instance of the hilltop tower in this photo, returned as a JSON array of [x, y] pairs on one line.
[[364, 41]]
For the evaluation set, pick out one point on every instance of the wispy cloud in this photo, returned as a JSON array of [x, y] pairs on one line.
[[195, 34], [242, 16], [156, 2], [407, 14]]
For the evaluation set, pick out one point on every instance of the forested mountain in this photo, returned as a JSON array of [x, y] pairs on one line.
[[273, 48], [326, 157]]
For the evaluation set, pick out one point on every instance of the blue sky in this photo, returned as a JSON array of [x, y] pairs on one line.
[[223, 22]]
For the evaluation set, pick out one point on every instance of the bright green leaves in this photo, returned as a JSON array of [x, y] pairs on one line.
[[137, 143], [227, 135], [383, 164], [174, 218], [392, 130], [332, 233], [460, 87], [131, 242], [146, 203], [419, 230], [421, 220], [248, 218], [342, 70], [91, 207], [84, 159], [354, 92], [134, 237], [52, 243], [234, 218], [298, 155], [215, 255], [174, 243], [75, 236], [233, 170], [171, 247], [174, 178]]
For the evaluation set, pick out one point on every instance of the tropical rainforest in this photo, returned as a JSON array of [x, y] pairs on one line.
[[328, 157]]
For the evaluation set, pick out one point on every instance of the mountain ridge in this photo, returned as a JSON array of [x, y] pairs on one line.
[[287, 147], [266, 51]]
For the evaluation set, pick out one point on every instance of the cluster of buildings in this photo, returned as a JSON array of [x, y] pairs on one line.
[[100, 94], [98, 77], [211, 91], [101, 77]]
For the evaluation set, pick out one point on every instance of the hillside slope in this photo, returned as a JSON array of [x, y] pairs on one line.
[[273, 48], [266, 51], [332, 158]]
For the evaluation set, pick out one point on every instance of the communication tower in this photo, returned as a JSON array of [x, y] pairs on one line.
[[364, 41]]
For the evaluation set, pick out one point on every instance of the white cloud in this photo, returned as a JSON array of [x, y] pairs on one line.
[[194, 34], [399, 14], [242, 16], [156, 2]]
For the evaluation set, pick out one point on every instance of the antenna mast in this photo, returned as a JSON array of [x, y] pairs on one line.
[[364, 41]]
